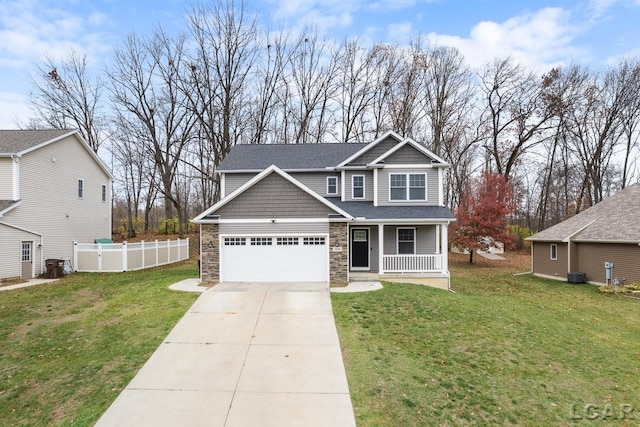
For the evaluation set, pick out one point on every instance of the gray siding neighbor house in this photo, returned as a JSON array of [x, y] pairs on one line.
[[608, 232], [328, 213], [54, 190]]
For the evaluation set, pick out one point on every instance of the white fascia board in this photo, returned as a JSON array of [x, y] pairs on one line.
[[20, 228], [259, 177], [415, 145], [404, 221], [84, 144], [10, 208], [285, 170], [370, 146], [273, 221]]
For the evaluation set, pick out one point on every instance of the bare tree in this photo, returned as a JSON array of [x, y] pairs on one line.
[[629, 73], [146, 92], [66, 96]]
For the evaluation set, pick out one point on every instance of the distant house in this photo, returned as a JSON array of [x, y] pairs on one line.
[[328, 213], [54, 190], [606, 232]]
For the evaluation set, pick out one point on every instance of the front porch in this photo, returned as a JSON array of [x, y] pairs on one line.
[[435, 280]]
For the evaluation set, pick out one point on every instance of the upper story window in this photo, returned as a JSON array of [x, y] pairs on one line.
[[80, 189], [103, 195], [332, 185], [357, 182], [407, 186]]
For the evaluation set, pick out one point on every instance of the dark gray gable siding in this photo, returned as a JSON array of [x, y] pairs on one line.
[[407, 155], [317, 181], [233, 181], [274, 197], [375, 152]]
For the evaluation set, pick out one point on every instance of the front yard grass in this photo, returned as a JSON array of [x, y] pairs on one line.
[[502, 350], [68, 348]]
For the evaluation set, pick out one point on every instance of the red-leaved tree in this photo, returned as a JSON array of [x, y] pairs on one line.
[[482, 214]]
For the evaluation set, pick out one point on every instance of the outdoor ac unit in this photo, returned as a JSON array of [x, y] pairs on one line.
[[576, 277]]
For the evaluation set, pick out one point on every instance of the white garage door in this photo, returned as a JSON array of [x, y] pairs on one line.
[[274, 259]]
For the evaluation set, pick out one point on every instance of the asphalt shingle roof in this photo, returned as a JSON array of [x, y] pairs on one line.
[[367, 210], [287, 156], [615, 219], [15, 141], [5, 204]]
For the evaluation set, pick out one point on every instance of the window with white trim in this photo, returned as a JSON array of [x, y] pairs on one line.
[[407, 186], [406, 238], [287, 241], [235, 241], [26, 251], [80, 189], [554, 251], [261, 241], [314, 241], [103, 195], [332, 185], [357, 186]]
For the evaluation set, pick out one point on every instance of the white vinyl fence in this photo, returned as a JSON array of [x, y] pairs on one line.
[[116, 257]]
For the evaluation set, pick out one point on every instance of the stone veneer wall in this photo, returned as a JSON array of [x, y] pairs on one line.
[[210, 253], [338, 260]]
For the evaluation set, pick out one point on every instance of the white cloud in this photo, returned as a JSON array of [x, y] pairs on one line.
[[400, 32], [14, 108], [539, 39]]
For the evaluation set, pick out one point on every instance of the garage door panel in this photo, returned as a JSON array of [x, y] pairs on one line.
[[286, 262]]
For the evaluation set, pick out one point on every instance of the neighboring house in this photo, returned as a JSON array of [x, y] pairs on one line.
[[606, 232], [54, 190], [328, 212]]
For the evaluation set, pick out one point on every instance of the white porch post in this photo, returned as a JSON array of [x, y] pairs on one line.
[[380, 248], [445, 248]]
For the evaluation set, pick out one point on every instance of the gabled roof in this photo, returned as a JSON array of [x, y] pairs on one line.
[[202, 218], [7, 205], [255, 157], [421, 148], [19, 141], [615, 219], [369, 146]]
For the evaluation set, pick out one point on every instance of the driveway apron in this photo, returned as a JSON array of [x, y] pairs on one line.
[[244, 355]]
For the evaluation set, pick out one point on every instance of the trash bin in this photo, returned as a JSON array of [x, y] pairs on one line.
[[55, 268]]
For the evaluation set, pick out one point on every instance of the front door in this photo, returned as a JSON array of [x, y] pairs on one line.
[[360, 248], [26, 272]]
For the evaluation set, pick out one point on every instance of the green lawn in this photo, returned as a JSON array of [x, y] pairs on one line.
[[502, 350], [68, 348]]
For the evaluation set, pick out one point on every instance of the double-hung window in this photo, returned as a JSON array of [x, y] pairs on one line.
[[357, 182], [554, 252], [406, 241], [407, 187], [332, 185]]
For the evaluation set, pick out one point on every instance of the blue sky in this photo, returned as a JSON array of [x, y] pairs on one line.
[[538, 33]]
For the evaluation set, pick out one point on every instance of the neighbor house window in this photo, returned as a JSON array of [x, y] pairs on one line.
[[554, 251], [358, 186], [104, 193], [410, 186], [332, 185], [80, 189], [406, 241]]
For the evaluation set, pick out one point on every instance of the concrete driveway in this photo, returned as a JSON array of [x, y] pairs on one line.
[[244, 355]]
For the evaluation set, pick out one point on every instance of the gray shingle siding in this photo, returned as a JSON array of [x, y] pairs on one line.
[[274, 197], [317, 181], [407, 155], [368, 185], [233, 181], [375, 152]]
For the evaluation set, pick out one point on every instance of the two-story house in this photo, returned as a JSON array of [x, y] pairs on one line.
[[327, 212], [54, 190]]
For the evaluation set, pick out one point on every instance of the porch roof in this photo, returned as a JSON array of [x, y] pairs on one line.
[[367, 210]]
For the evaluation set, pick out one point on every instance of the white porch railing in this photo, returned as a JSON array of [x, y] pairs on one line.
[[411, 263], [116, 257]]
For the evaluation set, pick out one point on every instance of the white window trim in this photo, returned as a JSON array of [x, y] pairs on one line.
[[408, 188], [364, 187], [336, 192], [80, 180], [553, 245], [415, 238]]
